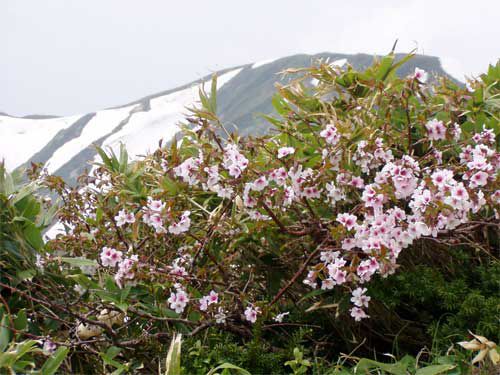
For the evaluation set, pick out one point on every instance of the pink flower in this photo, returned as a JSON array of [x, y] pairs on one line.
[[279, 176], [213, 297], [312, 192], [183, 224], [339, 277], [327, 284], [367, 268], [348, 244], [347, 220], [357, 182], [285, 151], [124, 217], [110, 257], [49, 347], [442, 177], [479, 179], [420, 75], [178, 301], [359, 298], [189, 170], [435, 130], [259, 184], [358, 314], [330, 134], [155, 205], [206, 301], [251, 313], [154, 220], [125, 269], [459, 192], [234, 161]]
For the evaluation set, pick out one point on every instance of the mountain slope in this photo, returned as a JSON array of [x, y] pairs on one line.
[[66, 144]]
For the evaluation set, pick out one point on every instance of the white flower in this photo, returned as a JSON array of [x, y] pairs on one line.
[[327, 284], [220, 317], [234, 161], [359, 298], [435, 130], [155, 205], [178, 301], [358, 314], [330, 134], [279, 318], [259, 184], [285, 151], [251, 313], [49, 347], [420, 75], [124, 217], [183, 224], [110, 257], [347, 220], [79, 289]]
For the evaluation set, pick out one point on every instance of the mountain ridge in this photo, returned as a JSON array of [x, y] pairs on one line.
[[66, 143]]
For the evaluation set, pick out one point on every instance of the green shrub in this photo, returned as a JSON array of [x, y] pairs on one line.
[[203, 237]]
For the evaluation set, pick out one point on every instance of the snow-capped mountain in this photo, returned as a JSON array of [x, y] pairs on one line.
[[66, 144]]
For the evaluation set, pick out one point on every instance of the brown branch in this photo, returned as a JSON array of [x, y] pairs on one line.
[[296, 276], [281, 225]]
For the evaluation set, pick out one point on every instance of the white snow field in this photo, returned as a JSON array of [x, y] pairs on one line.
[[262, 63], [144, 130], [101, 124], [21, 138]]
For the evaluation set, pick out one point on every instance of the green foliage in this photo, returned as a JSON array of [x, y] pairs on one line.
[[299, 365], [18, 356]]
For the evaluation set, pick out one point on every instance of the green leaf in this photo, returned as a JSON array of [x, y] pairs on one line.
[[84, 281], [25, 275], [173, 360], [434, 369], [52, 364], [108, 359], [33, 235], [384, 69], [24, 192], [213, 94], [79, 262], [4, 333], [123, 158], [392, 368], [228, 366], [21, 321]]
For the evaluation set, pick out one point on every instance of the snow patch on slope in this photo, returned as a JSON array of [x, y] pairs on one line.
[[101, 124], [263, 62], [144, 129], [21, 138], [339, 63]]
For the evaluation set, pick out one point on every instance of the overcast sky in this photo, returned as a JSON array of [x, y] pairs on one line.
[[69, 57]]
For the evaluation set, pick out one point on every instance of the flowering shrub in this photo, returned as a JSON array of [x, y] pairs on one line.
[[218, 230]]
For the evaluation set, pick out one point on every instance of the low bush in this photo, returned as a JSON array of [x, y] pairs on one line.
[[367, 220]]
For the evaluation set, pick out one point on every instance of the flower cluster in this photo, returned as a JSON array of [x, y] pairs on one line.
[[349, 188]]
